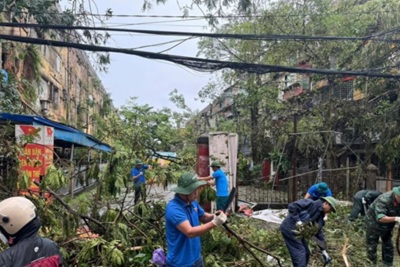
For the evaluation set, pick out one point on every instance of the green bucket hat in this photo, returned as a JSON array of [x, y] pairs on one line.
[[138, 162], [187, 183], [332, 201], [215, 164], [396, 190], [322, 187]]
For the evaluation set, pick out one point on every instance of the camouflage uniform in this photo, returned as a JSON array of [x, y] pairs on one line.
[[384, 205]]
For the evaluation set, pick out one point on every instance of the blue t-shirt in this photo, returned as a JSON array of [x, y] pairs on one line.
[[135, 171], [182, 251], [221, 182], [315, 194]]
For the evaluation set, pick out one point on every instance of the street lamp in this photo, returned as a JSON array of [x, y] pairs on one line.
[[44, 107]]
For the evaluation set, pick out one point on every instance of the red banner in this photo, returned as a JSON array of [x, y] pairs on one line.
[[38, 153]]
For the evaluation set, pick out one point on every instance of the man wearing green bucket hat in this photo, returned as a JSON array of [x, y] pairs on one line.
[[183, 217], [139, 179], [380, 220], [218, 178], [306, 214]]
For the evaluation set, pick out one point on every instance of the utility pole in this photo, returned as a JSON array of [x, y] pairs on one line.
[[293, 181]]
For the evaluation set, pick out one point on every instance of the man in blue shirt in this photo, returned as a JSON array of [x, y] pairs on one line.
[[318, 190], [183, 216], [139, 180], [218, 178]]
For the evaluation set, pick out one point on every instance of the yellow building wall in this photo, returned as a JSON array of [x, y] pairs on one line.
[[68, 82]]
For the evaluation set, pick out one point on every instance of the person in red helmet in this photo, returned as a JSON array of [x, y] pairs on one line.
[[19, 228]]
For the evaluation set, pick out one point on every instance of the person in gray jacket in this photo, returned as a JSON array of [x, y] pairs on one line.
[[19, 228]]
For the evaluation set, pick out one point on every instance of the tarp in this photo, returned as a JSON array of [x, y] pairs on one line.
[[64, 133], [273, 216]]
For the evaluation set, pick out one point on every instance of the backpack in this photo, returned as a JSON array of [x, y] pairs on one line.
[[52, 261]]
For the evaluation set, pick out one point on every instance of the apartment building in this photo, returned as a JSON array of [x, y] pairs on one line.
[[65, 84]]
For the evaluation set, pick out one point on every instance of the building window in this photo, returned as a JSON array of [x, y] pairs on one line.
[[44, 89], [54, 95], [58, 63], [45, 51]]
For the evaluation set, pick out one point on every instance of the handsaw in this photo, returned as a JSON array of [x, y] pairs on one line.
[[231, 197], [364, 203], [243, 242]]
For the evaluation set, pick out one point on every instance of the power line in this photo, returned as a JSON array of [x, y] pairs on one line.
[[204, 16], [199, 64], [151, 22], [272, 37]]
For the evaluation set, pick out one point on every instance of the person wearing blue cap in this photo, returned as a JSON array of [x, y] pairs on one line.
[[139, 179], [186, 221], [319, 190]]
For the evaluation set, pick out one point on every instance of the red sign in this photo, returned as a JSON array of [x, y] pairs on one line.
[[38, 152]]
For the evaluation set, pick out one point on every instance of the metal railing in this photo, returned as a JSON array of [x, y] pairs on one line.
[[343, 182]]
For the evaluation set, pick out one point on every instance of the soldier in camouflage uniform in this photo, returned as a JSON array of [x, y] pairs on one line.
[[380, 220]]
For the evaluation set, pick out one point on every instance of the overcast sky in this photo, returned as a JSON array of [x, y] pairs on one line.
[[150, 80]]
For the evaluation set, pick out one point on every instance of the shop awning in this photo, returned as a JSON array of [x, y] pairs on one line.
[[64, 135]]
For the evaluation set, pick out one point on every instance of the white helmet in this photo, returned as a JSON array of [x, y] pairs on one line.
[[15, 213]]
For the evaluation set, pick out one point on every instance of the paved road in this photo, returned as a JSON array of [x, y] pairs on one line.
[[154, 192]]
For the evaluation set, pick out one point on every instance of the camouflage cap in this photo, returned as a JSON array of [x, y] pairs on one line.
[[396, 190]]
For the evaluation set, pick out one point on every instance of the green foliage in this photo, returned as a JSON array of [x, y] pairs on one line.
[[268, 130], [213, 6], [207, 194], [10, 100], [54, 178], [32, 60], [243, 171], [101, 252], [24, 181], [280, 160]]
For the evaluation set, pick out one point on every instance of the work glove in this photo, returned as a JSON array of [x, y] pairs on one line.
[[299, 226], [363, 201], [140, 173], [219, 219], [397, 219], [326, 257]]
